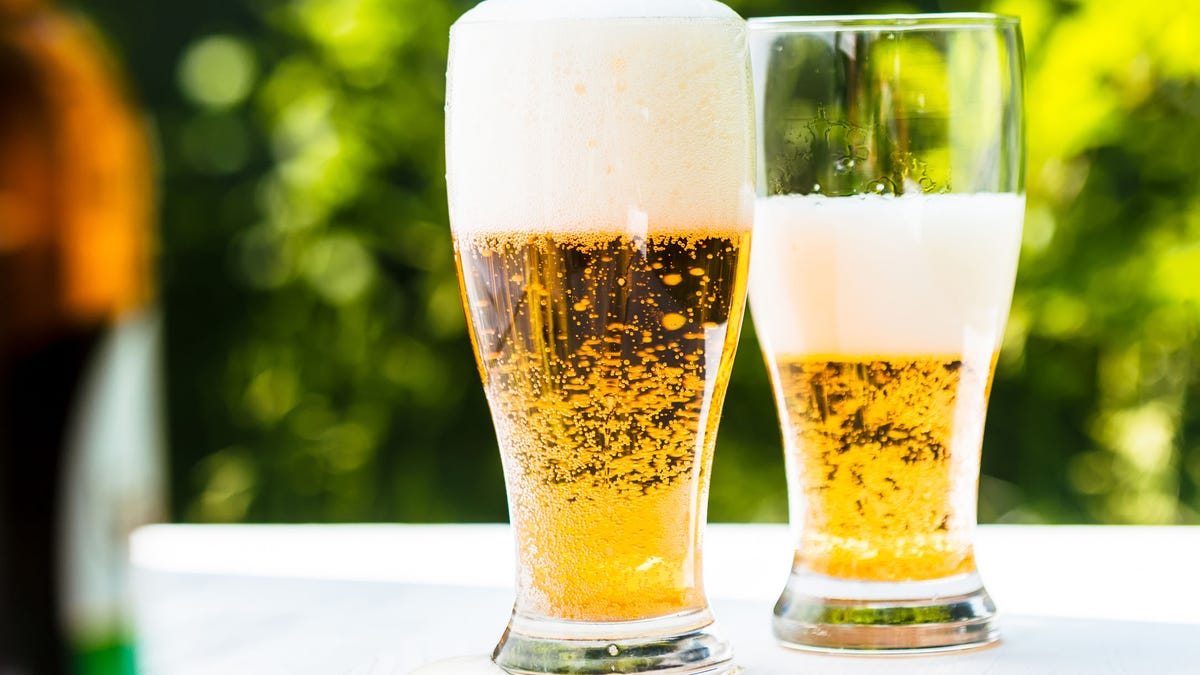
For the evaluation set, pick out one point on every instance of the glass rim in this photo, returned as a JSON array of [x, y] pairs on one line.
[[888, 22]]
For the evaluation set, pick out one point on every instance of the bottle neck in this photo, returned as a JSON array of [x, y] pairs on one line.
[[18, 8]]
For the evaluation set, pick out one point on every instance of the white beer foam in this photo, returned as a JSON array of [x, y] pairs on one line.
[[879, 275], [572, 115], [524, 10]]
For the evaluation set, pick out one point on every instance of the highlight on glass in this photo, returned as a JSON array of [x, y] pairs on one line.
[[600, 172], [888, 226]]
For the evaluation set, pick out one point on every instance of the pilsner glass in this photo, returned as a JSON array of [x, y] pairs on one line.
[[888, 225], [600, 166]]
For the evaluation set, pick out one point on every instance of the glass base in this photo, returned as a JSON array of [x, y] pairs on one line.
[[822, 613], [682, 643]]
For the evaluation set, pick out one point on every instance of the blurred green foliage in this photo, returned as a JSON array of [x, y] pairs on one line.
[[318, 364]]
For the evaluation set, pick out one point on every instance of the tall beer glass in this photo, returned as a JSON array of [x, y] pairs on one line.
[[600, 158], [886, 238]]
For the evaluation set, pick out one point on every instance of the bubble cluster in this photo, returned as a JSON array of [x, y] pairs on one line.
[[877, 451], [603, 395]]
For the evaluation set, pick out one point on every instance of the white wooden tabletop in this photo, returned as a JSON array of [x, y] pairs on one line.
[[388, 599]]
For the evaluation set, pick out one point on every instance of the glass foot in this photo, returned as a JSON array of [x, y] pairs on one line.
[[683, 643], [821, 613]]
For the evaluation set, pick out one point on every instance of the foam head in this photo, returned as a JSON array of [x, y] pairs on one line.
[[527, 10], [880, 276], [599, 115]]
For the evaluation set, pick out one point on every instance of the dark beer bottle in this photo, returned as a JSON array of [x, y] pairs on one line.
[[78, 335]]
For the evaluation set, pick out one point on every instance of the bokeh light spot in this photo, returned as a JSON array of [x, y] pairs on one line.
[[230, 481], [271, 394], [218, 71], [339, 268]]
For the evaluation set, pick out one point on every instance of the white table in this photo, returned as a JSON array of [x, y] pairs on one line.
[[385, 599]]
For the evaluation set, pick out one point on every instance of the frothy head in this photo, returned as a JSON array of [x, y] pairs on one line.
[[528, 10], [599, 115], [885, 276]]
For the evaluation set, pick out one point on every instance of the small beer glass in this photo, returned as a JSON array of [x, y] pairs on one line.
[[887, 230], [600, 172]]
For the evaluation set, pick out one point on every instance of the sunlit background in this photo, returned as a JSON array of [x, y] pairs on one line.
[[317, 358]]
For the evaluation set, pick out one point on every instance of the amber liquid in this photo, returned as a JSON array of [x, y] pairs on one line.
[[605, 359], [882, 454]]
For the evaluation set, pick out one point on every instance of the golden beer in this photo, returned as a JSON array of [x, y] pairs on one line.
[[601, 354], [600, 168], [886, 236], [880, 319], [871, 446]]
